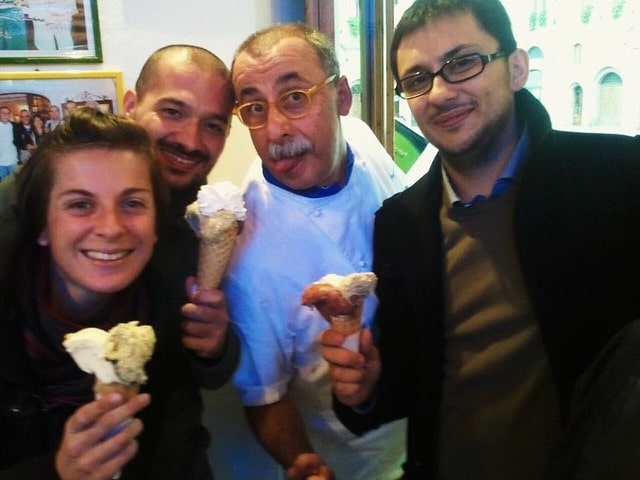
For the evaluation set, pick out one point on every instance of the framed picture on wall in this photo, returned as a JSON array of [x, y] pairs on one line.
[[52, 95], [49, 31]]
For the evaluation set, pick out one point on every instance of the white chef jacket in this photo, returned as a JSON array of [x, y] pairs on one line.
[[289, 241]]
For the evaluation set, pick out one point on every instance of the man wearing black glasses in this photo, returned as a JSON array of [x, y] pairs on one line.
[[311, 201], [507, 329]]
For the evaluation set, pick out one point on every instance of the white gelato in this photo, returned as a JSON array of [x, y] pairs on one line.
[[221, 196], [88, 348], [116, 356], [218, 208]]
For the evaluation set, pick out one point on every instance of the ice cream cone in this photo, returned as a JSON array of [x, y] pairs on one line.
[[215, 252], [119, 354], [215, 217], [347, 324], [128, 391], [339, 300]]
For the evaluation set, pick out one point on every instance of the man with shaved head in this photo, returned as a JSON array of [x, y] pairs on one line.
[[183, 99]]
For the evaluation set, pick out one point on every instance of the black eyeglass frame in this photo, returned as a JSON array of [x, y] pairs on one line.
[[484, 59], [307, 92]]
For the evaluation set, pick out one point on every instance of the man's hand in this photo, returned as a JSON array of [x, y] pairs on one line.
[[207, 320], [308, 466], [100, 438], [353, 374]]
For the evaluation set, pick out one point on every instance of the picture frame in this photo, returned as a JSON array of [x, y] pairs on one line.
[[38, 92], [49, 31]]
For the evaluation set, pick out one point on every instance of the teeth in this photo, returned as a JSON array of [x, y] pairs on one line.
[[106, 256], [179, 159], [184, 160]]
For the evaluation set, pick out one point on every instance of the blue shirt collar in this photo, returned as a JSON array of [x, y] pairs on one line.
[[317, 191], [505, 180]]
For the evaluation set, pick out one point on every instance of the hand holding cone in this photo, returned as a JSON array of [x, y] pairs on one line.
[[339, 300], [116, 358]]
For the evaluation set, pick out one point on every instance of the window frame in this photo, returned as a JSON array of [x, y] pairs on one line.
[[377, 105]]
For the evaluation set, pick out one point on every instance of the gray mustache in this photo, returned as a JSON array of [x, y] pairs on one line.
[[290, 148]]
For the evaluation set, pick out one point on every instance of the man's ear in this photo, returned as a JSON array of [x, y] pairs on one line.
[[345, 97], [129, 102], [518, 69], [43, 238]]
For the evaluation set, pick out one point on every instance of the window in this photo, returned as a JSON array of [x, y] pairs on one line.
[[577, 105], [590, 46], [577, 54], [535, 54], [534, 83], [610, 101]]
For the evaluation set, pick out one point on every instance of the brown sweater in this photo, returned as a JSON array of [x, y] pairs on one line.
[[497, 379]]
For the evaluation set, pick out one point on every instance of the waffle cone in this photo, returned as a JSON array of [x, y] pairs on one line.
[[128, 391], [347, 324], [214, 258]]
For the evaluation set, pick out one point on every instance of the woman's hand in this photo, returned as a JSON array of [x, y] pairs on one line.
[[100, 438]]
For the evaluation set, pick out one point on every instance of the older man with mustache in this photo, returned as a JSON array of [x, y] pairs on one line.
[[311, 199]]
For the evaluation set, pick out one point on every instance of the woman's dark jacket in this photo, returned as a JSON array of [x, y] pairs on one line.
[[173, 444]]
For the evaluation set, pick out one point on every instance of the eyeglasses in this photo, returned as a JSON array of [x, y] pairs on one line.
[[456, 70], [293, 104]]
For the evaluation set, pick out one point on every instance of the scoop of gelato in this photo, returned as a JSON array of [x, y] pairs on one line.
[[221, 196], [217, 199], [116, 356], [87, 347], [339, 295], [353, 287], [129, 347], [339, 299]]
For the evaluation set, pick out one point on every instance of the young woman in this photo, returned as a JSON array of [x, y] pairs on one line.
[[89, 204]]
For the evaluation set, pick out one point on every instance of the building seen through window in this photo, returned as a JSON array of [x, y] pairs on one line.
[[583, 60]]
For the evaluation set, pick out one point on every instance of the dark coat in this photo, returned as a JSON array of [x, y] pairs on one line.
[[577, 234], [176, 257], [22, 137]]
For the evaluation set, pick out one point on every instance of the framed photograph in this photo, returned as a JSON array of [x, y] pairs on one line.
[[52, 95], [49, 31]]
